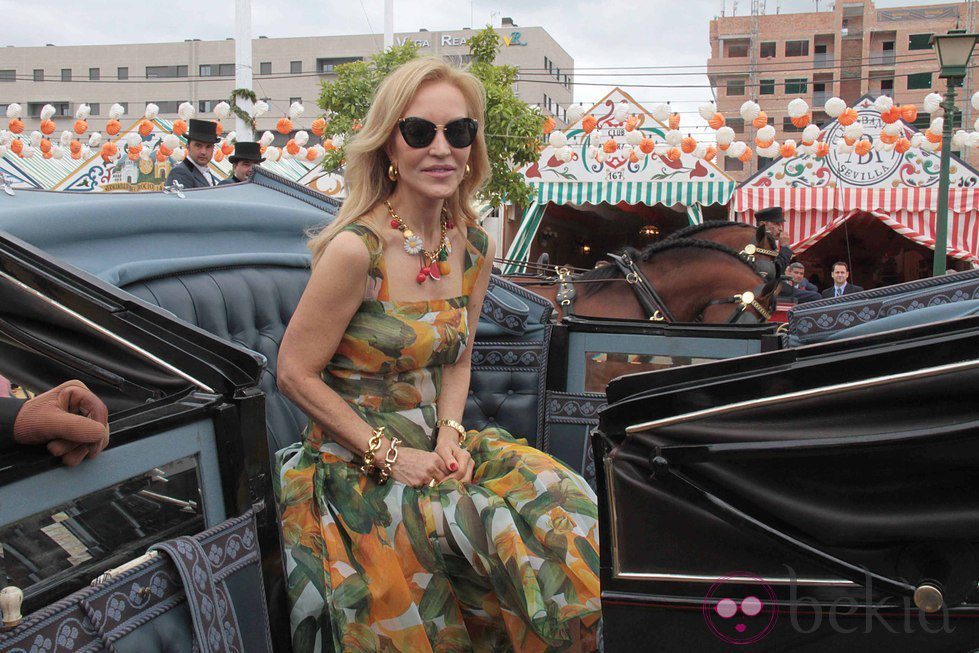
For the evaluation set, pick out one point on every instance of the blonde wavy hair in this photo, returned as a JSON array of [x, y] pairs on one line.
[[366, 178]]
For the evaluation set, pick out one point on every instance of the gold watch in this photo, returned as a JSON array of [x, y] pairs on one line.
[[454, 425]]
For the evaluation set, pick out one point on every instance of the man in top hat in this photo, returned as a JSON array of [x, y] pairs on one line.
[[247, 155], [774, 222], [193, 171]]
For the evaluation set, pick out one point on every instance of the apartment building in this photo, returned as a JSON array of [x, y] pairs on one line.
[[285, 70], [849, 50]]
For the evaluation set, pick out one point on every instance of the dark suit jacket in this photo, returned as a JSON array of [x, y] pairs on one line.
[[848, 289], [230, 180], [9, 407], [188, 175], [783, 259]]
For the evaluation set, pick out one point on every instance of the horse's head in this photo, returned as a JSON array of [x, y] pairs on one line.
[[762, 253], [752, 306]]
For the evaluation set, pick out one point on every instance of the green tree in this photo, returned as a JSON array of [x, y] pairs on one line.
[[513, 129]]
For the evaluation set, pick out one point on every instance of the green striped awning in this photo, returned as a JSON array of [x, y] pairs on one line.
[[667, 193]]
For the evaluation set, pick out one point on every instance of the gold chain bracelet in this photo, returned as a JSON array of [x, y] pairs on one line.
[[373, 446], [454, 425], [391, 457]]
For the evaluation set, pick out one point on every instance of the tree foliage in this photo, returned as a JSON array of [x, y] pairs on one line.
[[513, 128]]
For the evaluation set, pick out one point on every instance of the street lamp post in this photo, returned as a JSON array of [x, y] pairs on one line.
[[954, 50]]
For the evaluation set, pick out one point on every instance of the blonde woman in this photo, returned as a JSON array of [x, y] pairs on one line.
[[402, 531]]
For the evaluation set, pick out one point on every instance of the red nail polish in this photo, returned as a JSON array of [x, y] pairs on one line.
[[453, 467]]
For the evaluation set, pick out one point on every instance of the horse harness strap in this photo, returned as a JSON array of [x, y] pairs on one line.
[[750, 250], [742, 302], [566, 293], [648, 298]]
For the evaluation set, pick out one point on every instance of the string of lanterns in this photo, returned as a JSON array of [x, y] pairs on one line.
[[77, 143], [639, 143]]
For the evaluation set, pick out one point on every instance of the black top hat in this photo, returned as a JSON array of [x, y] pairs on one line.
[[202, 131], [247, 151], [773, 214]]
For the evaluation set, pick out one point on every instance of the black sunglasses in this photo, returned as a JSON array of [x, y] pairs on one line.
[[419, 132]]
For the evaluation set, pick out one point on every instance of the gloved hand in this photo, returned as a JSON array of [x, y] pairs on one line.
[[70, 419]]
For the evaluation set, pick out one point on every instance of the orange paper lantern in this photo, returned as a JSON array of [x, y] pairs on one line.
[[47, 127], [218, 127], [134, 151], [112, 127], [284, 126], [802, 121], [760, 121], [610, 146], [160, 156], [763, 144], [76, 155], [849, 141], [45, 145], [889, 139], [328, 145], [746, 155], [631, 123], [319, 127], [848, 117], [218, 156], [46, 155], [179, 127], [310, 154], [292, 147], [164, 150], [633, 157], [892, 115], [588, 124], [674, 154], [787, 151], [16, 146], [674, 120], [16, 125], [145, 128], [711, 153], [227, 149], [109, 150], [902, 145], [909, 112], [716, 121], [75, 147], [688, 144], [932, 137], [81, 126], [549, 125], [862, 148], [646, 145]]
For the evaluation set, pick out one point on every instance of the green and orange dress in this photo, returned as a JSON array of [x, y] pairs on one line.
[[508, 562]]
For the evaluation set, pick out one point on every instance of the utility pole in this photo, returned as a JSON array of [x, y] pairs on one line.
[[388, 24], [754, 46], [243, 64]]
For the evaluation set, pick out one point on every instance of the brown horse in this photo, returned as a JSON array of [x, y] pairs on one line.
[[690, 281], [738, 236]]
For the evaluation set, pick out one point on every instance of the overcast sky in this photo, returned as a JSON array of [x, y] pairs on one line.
[[596, 33]]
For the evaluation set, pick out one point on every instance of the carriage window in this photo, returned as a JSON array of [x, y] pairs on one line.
[[601, 367], [45, 548]]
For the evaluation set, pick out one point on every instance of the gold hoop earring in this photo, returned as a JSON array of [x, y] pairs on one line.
[[465, 175], [393, 172]]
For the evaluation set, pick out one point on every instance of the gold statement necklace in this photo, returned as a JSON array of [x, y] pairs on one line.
[[434, 262]]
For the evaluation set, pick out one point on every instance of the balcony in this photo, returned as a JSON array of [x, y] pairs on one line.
[[882, 60], [819, 98], [822, 60], [851, 33]]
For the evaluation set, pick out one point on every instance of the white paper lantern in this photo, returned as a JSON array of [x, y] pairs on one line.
[[57, 152], [960, 139], [5, 137], [601, 156], [3, 151], [750, 110], [707, 111], [296, 109], [766, 133], [94, 139], [854, 131], [933, 101], [673, 137], [65, 138], [633, 137], [725, 136], [737, 149], [917, 139], [621, 111], [83, 112], [36, 137], [266, 139], [186, 111], [273, 153], [834, 107], [152, 111], [843, 148], [936, 126], [116, 111], [339, 140], [701, 151], [47, 111], [27, 152], [798, 108], [557, 139], [171, 141], [974, 139], [222, 110], [810, 133], [259, 109], [893, 129], [883, 104], [662, 112], [564, 153], [929, 146], [13, 110], [574, 113], [179, 154], [770, 152]]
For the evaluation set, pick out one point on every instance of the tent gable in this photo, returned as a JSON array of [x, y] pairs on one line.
[[916, 168]]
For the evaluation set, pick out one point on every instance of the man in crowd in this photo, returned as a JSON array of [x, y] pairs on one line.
[[247, 155], [799, 288], [193, 172], [774, 223], [70, 420], [840, 287]]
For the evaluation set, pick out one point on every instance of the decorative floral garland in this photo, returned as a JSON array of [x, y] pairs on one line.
[[244, 94]]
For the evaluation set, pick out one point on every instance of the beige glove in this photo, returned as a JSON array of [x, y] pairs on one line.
[[70, 419]]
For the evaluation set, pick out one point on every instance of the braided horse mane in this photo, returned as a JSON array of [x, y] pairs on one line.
[[694, 229], [609, 272]]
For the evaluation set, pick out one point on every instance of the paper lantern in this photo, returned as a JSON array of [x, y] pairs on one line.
[[574, 113], [674, 154], [112, 127], [892, 115], [160, 156], [621, 111], [883, 104], [292, 147], [47, 112], [116, 111], [218, 127], [746, 155], [932, 137], [109, 151], [222, 110], [716, 121], [633, 157], [634, 137], [186, 111], [736, 149], [810, 134], [631, 123], [834, 107], [227, 148], [960, 139], [94, 139], [319, 127], [179, 155], [932, 103], [798, 108], [688, 144], [766, 134], [164, 150], [848, 117], [725, 136], [557, 139], [909, 113], [36, 137], [673, 138], [674, 120], [145, 128], [17, 146], [749, 111], [787, 151], [760, 120], [902, 145], [75, 147], [47, 127], [16, 125], [267, 138], [937, 125], [853, 131], [801, 121], [45, 145], [707, 111], [151, 112], [646, 145], [588, 124], [259, 109], [548, 127], [888, 139], [296, 110], [662, 112], [769, 151], [862, 147], [711, 153], [14, 110], [301, 137], [218, 155]]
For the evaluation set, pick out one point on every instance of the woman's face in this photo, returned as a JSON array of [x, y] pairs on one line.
[[436, 170]]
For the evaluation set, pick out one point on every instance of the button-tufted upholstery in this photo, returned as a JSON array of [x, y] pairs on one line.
[[251, 303]]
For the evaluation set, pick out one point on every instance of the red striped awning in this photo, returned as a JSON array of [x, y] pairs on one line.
[[811, 213]]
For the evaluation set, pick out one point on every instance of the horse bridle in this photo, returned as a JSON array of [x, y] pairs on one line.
[[751, 250], [653, 305]]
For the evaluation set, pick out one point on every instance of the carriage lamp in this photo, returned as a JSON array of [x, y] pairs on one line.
[[649, 231], [954, 50], [586, 248]]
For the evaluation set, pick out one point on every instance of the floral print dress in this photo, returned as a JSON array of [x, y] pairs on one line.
[[508, 562]]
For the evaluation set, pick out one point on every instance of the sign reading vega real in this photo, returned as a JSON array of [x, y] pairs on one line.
[[453, 39]]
